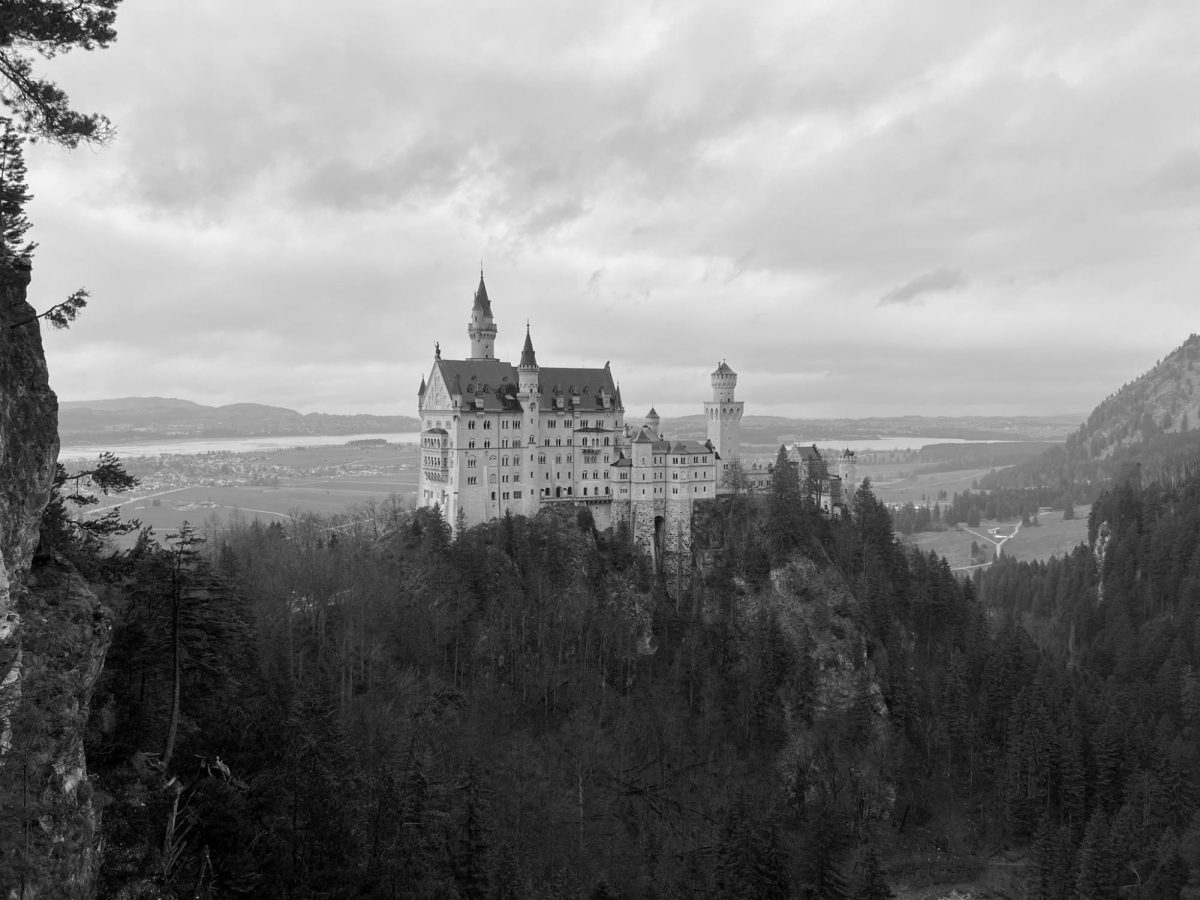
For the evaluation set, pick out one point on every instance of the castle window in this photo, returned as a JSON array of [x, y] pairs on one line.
[[471, 479], [674, 490], [585, 474], [541, 459], [487, 423], [606, 457], [471, 444], [471, 425], [568, 457], [568, 442], [596, 474], [584, 442], [607, 490], [487, 444], [606, 473], [493, 495], [470, 462], [585, 492], [558, 442], [532, 439], [606, 442], [547, 442], [558, 460]]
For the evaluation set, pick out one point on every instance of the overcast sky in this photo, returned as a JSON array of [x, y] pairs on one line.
[[866, 208]]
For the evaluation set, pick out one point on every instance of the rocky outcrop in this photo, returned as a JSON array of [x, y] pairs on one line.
[[28, 449], [53, 633], [819, 617], [28, 427]]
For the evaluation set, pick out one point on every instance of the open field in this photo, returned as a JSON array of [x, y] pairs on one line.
[[902, 483], [270, 485], [1050, 537], [326, 496]]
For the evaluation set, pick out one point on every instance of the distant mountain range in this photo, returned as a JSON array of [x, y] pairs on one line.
[[130, 419], [1153, 422]]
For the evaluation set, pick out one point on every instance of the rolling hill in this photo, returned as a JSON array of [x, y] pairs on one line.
[[129, 419]]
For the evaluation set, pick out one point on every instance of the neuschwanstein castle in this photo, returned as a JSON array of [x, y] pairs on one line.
[[499, 438]]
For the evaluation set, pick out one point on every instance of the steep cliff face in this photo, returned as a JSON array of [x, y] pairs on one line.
[[819, 617], [53, 635], [28, 424], [28, 449]]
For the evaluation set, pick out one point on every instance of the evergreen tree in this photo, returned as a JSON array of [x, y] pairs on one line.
[[49, 28], [13, 195], [785, 513]]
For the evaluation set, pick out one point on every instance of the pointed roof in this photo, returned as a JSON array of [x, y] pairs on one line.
[[723, 369], [652, 414], [421, 389], [528, 360], [481, 298]]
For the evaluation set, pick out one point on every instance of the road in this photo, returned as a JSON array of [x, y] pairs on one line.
[[993, 537]]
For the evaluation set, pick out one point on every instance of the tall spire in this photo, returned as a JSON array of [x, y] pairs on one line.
[[528, 360], [481, 298], [481, 328]]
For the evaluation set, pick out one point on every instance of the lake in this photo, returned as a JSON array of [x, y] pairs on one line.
[[887, 443], [258, 444]]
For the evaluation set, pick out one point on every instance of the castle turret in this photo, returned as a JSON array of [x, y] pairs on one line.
[[482, 328], [527, 372], [652, 420], [724, 415]]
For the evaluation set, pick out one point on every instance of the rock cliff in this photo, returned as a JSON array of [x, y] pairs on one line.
[[53, 635], [28, 449]]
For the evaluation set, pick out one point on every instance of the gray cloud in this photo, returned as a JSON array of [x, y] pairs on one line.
[[934, 282], [320, 197]]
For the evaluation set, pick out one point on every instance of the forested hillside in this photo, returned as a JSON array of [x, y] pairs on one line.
[[525, 711], [1105, 765], [1151, 422]]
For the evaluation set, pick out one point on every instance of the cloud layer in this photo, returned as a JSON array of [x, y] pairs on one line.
[[907, 208]]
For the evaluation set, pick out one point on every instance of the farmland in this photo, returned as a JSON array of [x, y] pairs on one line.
[[274, 485]]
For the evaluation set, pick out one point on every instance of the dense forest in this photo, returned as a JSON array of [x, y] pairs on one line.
[[527, 710]]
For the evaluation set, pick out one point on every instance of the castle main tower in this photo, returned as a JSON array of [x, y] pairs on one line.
[[724, 415], [482, 327]]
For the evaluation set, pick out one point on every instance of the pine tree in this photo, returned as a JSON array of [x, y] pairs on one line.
[[50, 28], [870, 881], [13, 195], [785, 515]]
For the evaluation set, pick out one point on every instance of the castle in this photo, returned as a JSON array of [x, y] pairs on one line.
[[498, 439]]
